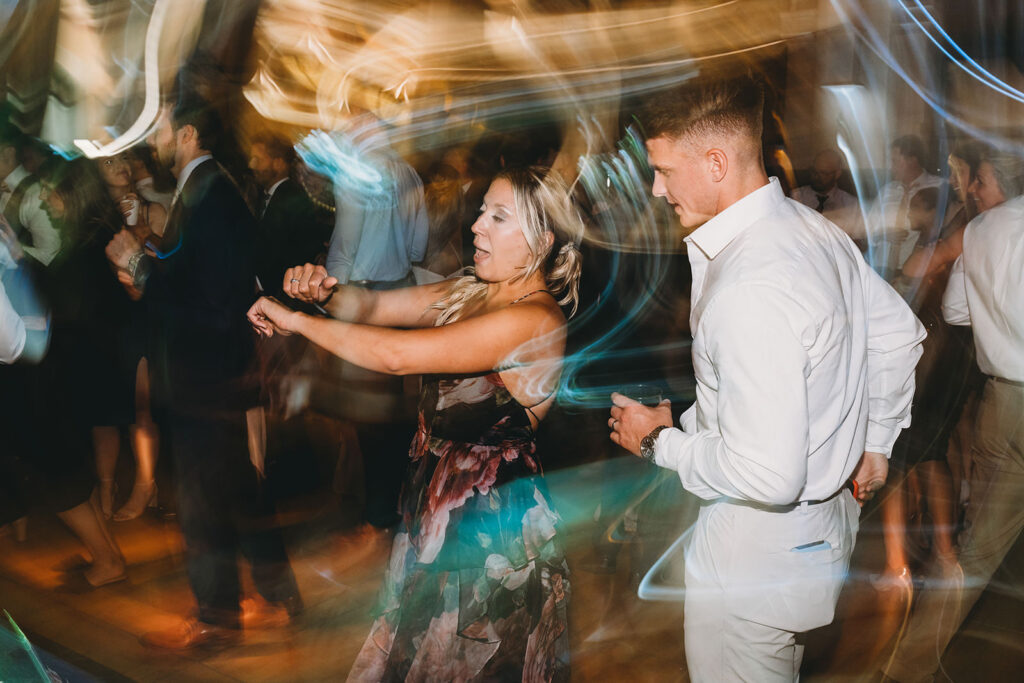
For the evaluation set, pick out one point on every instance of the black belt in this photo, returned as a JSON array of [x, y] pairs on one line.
[[848, 486], [1003, 380]]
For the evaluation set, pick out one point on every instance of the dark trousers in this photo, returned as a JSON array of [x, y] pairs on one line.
[[385, 449], [223, 510]]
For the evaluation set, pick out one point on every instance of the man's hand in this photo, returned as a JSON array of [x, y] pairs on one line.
[[268, 315], [120, 249], [870, 475], [631, 421], [128, 282], [309, 283]]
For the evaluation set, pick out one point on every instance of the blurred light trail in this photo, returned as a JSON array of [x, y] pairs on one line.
[[151, 107]]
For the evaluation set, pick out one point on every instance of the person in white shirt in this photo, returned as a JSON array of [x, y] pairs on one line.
[[889, 236], [12, 330], [825, 196], [985, 291], [376, 239], [804, 363], [20, 202]]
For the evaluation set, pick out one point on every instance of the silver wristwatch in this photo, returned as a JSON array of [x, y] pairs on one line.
[[648, 442]]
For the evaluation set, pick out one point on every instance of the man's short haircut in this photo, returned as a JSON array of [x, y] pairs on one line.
[[277, 147], [707, 108], [910, 146], [192, 110]]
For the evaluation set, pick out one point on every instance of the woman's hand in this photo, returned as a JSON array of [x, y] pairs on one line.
[[310, 284], [268, 315]]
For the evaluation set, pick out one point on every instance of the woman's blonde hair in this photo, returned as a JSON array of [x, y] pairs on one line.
[[543, 204]]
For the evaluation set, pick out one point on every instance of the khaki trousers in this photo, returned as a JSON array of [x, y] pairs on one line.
[[993, 521]]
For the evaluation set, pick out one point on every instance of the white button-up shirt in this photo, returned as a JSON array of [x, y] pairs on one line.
[[45, 237], [804, 357], [986, 289], [841, 207], [892, 239]]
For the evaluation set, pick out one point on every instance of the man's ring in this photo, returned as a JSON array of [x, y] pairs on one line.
[[615, 425], [294, 279]]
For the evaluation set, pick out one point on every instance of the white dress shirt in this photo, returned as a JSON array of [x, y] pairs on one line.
[[841, 207], [12, 330], [45, 238], [986, 289], [889, 221], [803, 356]]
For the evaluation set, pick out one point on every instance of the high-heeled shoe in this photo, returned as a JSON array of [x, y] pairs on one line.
[[105, 494], [143, 496]]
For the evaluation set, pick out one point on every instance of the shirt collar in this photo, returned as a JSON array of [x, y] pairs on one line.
[[717, 233], [270, 192], [189, 167], [15, 177]]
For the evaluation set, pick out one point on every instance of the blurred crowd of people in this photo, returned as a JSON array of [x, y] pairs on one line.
[[129, 288]]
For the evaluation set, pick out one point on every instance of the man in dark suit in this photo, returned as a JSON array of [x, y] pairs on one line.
[[199, 282], [288, 232]]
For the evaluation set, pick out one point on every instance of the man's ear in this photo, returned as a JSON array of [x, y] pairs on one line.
[[189, 134], [718, 164]]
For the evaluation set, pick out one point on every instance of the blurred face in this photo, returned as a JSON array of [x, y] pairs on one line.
[[54, 202], [164, 142], [904, 169], [681, 176], [959, 177], [920, 217], [824, 174], [8, 161], [262, 166], [116, 172], [985, 188], [501, 248]]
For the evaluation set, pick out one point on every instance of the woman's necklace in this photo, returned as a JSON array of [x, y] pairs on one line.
[[528, 294]]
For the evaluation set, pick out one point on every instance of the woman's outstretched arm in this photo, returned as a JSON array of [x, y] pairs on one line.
[[406, 307], [523, 333]]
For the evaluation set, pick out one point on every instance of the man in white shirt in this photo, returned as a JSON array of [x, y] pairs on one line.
[[20, 203], [985, 291], [890, 237], [804, 363], [12, 330], [826, 197], [381, 226]]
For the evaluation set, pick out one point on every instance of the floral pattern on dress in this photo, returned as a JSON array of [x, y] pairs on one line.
[[477, 587]]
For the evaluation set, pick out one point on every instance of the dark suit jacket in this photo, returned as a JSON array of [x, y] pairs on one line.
[[289, 235], [199, 292]]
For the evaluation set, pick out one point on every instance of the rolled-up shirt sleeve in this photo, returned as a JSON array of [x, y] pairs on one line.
[[759, 450], [954, 299], [894, 347]]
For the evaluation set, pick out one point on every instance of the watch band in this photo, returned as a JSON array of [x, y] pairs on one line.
[[648, 442]]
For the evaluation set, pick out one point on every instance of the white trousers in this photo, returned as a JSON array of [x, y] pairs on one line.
[[755, 579]]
